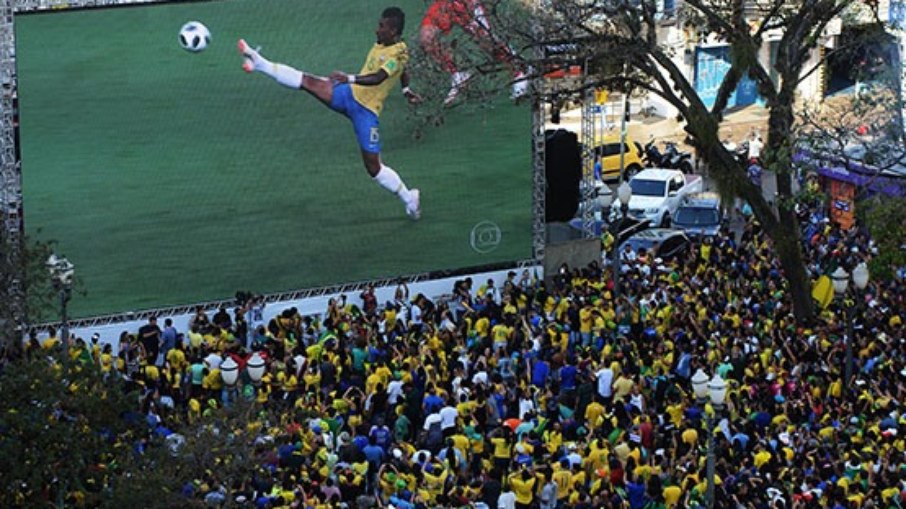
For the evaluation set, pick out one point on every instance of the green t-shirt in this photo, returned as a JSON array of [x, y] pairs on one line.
[[401, 428], [359, 355]]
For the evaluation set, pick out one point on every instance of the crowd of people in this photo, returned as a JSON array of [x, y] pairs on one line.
[[557, 392]]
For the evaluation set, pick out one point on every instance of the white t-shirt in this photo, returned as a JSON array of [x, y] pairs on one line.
[[300, 364], [525, 406], [605, 382], [755, 147], [431, 419], [213, 361], [506, 500], [638, 401], [416, 315], [394, 391], [448, 415]]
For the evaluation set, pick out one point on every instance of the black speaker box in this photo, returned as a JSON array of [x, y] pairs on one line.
[[563, 170]]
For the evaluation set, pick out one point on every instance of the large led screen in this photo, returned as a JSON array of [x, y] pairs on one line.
[[170, 177]]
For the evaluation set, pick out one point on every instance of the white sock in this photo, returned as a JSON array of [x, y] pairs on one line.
[[284, 74], [391, 181]]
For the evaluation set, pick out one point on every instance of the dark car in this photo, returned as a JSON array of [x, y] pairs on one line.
[[666, 243], [699, 215]]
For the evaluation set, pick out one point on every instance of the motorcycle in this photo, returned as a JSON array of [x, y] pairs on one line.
[[653, 156], [675, 159], [672, 158]]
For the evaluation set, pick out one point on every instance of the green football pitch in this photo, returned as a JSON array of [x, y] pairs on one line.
[[170, 178]]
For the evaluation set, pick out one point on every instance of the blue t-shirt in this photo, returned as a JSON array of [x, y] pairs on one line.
[[540, 370], [381, 436], [374, 454], [568, 377], [433, 403], [360, 442], [636, 495]]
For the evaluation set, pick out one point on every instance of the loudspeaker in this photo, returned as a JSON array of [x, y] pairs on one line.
[[563, 170]]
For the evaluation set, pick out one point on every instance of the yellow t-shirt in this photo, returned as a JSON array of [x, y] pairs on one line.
[[501, 333], [434, 484], [501, 447], [761, 458], [523, 488], [371, 382], [690, 436], [672, 495], [152, 373], [585, 320], [389, 314], [106, 362], [212, 381], [564, 486], [50, 342], [482, 326], [676, 414], [593, 412], [392, 59], [177, 359]]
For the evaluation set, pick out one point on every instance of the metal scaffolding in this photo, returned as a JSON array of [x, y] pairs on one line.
[[539, 182], [587, 185], [10, 172]]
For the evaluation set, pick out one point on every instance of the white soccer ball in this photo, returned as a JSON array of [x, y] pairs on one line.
[[194, 37]]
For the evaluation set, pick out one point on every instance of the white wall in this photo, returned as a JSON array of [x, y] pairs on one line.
[[311, 306]]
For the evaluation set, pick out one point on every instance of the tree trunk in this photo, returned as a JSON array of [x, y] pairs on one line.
[[789, 252], [778, 156], [781, 225]]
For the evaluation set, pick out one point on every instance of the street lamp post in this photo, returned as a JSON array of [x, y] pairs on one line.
[[255, 368], [230, 373], [717, 391], [62, 272], [841, 280], [714, 390], [624, 194]]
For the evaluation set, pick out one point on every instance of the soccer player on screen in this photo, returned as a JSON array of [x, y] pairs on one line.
[[360, 97], [471, 16]]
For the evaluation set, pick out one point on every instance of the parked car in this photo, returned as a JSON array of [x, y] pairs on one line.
[[699, 215], [667, 243], [657, 193], [608, 150]]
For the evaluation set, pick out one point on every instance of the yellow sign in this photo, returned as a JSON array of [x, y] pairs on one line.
[[601, 96]]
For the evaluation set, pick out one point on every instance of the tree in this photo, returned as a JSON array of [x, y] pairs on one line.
[[25, 288], [886, 220], [620, 44], [60, 423], [71, 436], [10, 269]]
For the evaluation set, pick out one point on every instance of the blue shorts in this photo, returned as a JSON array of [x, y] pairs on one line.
[[364, 121]]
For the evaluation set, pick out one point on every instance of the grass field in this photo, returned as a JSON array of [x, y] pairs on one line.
[[170, 178]]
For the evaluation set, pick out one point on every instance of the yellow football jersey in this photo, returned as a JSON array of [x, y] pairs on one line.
[[392, 59]]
